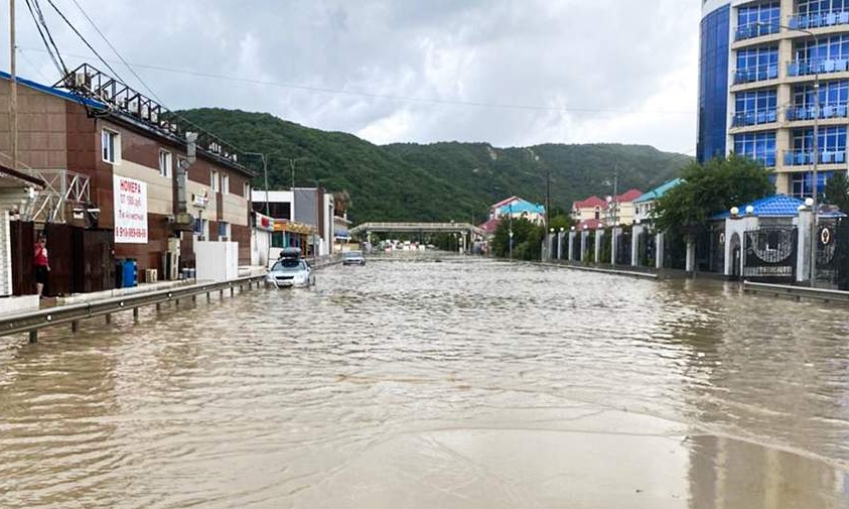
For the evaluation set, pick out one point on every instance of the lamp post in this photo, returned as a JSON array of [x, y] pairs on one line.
[[814, 173], [560, 243], [510, 208], [550, 242]]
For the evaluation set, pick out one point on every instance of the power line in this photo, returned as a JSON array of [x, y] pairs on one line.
[[46, 38], [394, 97]]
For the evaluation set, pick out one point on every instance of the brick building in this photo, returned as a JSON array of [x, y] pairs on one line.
[[100, 134]]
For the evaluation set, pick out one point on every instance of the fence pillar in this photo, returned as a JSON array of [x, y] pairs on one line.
[[658, 248], [560, 237], [614, 244], [635, 244], [803, 246], [571, 246], [690, 263]]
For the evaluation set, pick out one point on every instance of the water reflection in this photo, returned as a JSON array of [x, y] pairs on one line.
[[466, 383]]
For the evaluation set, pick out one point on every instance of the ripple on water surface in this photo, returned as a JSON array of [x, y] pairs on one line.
[[467, 383]]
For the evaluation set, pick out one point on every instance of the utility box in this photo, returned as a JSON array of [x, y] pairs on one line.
[[216, 261]]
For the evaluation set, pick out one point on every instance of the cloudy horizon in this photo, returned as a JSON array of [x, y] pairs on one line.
[[505, 72]]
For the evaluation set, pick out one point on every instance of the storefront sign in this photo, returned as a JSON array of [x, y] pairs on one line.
[[130, 202], [200, 200]]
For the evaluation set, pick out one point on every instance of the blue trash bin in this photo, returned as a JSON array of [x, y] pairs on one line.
[[130, 277]]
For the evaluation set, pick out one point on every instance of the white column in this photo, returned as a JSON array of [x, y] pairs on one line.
[[636, 231], [803, 247], [5, 255], [560, 237], [571, 245], [658, 251], [584, 237], [614, 243], [690, 265]]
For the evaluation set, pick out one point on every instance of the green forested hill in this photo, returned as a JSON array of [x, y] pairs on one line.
[[440, 181]]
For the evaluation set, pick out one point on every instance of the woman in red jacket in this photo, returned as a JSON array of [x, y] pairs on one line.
[[42, 265]]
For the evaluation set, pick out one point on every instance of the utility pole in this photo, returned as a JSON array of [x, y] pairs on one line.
[[13, 102], [292, 167], [615, 194]]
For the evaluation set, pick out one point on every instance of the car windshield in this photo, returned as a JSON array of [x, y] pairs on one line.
[[287, 265], [353, 254]]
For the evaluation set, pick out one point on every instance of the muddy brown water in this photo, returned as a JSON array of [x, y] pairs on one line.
[[413, 384]]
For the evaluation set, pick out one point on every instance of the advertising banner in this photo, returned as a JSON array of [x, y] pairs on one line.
[[130, 200]]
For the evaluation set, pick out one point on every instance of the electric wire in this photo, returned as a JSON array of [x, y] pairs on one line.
[[40, 29]]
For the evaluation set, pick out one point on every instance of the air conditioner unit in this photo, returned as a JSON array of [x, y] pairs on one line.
[[145, 112], [80, 79], [154, 117]]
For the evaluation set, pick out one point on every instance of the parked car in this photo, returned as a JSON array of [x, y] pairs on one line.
[[290, 270], [353, 258]]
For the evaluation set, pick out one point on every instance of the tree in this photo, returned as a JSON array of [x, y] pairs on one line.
[[527, 239], [837, 191], [711, 188]]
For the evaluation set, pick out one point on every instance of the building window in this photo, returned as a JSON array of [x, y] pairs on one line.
[[834, 96], [111, 144], [215, 184], [247, 190], [223, 231], [225, 184], [597, 213], [831, 146], [756, 64], [800, 183], [824, 56], [165, 163], [756, 107], [757, 146], [758, 20], [201, 229]]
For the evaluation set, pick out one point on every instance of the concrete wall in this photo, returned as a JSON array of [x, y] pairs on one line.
[[42, 132]]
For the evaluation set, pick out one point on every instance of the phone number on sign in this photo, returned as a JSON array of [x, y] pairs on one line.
[[132, 233]]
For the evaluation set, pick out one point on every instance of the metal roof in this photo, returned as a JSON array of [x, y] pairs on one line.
[[779, 205], [658, 191]]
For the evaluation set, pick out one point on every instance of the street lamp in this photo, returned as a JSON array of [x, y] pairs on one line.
[[814, 174]]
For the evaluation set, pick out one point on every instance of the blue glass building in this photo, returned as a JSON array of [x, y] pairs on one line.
[[758, 63]]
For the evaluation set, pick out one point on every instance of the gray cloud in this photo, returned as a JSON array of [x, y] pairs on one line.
[[636, 62]]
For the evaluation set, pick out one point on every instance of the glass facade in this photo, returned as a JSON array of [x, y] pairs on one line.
[[758, 20], [756, 64], [757, 146], [834, 96], [755, 107], [831, 149], [800, 183], [713, 84], [823, 57], [820, 13]]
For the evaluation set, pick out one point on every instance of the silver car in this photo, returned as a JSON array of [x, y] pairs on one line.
[[353, 258], [290, 272]]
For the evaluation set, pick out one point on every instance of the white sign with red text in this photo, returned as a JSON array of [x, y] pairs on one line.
[[130, 200]]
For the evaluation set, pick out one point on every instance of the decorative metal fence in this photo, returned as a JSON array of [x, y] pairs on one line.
[[832, 265], [624, 248], [717, 249], [674, 251], [646, 249], [770, 253], [576, 248], [589, 252]]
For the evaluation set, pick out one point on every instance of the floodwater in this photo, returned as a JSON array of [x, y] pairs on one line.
[[415, 384]]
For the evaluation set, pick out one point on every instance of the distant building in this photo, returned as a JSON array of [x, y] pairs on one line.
[[518, 208], [303, 218], [645, 204], [594, 212]]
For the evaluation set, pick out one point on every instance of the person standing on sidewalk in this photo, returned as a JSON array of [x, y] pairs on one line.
[[42, 265]]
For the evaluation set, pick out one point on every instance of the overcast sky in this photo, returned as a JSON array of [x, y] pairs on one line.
[[509, 72]]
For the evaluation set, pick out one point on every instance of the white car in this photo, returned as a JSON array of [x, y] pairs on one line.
[[290, 272]]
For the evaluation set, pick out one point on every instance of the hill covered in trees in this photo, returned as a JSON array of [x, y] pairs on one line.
[[435, 182]]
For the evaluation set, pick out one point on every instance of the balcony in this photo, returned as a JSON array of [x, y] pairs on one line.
[[756, 30], [818, 19], [833, 110], [749, 118], [809, 67], [806, 157], [757, 73]]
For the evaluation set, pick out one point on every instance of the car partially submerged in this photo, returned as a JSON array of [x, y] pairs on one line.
[[353, 258], [290, 270]]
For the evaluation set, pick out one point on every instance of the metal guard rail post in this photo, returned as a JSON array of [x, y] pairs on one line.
[[73, 313]]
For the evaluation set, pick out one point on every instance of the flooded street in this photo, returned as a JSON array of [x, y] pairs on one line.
[[414, 384]]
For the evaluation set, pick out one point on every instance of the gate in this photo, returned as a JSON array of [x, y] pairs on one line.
[[717, 249], [60, 250], [674, 251], [95, 259], [624, 248], [833, 252], [22, 237], [588, 256], [770, 253]]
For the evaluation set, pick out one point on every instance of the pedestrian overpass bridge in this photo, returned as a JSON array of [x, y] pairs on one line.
[[420, 228]]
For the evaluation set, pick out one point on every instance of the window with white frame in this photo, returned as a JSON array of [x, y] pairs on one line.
[[215, 184], [165, 165], [225, 184], [110, 142]]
